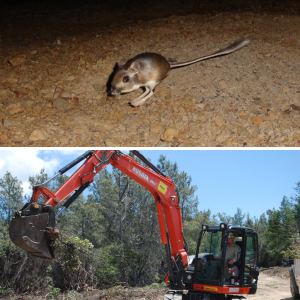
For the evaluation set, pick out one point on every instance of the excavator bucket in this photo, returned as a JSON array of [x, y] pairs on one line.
[[32, 234]]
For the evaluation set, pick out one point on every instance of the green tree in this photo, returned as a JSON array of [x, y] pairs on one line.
[[224, 218], [280, 229], [249, 222], [192, 227], [296, 201], [238, 218], [106, 202], [188, 201], [129, 226], [11, 198], [261, 227], [83, 219]]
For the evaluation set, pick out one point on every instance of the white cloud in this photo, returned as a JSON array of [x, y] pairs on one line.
[[24, 162]]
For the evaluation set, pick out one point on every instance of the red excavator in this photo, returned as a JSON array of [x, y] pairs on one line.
[[210, 274]]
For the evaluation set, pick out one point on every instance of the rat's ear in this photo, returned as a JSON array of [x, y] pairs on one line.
[[121, 63], [134, 68]]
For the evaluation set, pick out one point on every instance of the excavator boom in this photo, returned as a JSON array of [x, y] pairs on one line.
[[33, 227]]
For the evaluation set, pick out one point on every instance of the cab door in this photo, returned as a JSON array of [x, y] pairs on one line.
[[250, 264]]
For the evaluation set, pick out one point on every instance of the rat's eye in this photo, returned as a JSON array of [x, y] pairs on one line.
[[126, 78]]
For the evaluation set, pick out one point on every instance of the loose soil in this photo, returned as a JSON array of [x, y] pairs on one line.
[[273, 285], [57, 58]]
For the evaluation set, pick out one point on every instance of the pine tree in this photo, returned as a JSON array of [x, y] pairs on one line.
[[188, 201], [238, 218], [11, 198], [280, 228]]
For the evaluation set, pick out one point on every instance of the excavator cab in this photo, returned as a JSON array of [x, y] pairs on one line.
[[214, 270]]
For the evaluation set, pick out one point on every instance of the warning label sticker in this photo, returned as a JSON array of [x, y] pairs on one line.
[[162, 187]]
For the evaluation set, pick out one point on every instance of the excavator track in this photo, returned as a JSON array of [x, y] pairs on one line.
[[173, 295]]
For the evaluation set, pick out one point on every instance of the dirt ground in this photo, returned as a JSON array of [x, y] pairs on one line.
[[273, 285], [57, 57]]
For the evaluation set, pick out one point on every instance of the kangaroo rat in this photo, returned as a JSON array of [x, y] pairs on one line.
[[147, 70]]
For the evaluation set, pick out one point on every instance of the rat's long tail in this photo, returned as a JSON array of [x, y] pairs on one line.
[[231, 48]]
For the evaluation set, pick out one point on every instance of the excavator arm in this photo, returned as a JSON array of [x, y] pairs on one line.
[[33, 227]]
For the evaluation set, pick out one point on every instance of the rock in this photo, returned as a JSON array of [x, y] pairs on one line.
[[241, 130], [17, 61], [172, 21], [166, 144], [18, 135], [223, 137], [244, 116], [81, 62], [60, 103], [155, 128], [4, 137], [169, 134], [57, 92], [223, 84], [38, 135], [206, 107], [14, 108], [256, 120], [4, 93], [296, 137], [219, 122], [21, 92], [27, 104], [10, 123], [295, 107], [286, 89], [76, 101], [191, 143], [52, 73], [98, 87], [112, 143], [66, 94]]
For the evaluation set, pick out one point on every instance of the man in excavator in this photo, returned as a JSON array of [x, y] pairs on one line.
[[232, 250], [231, 257]]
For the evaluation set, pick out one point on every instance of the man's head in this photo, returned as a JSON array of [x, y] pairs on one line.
[[230, 239]]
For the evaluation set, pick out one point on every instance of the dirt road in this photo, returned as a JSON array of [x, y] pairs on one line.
[[57, 56], [273, 287]]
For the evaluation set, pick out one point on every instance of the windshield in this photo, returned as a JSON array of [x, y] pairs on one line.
[[211, 243], [251, 246], [209, 258]]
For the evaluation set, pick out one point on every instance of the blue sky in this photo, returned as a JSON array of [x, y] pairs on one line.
[[253, 180]]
